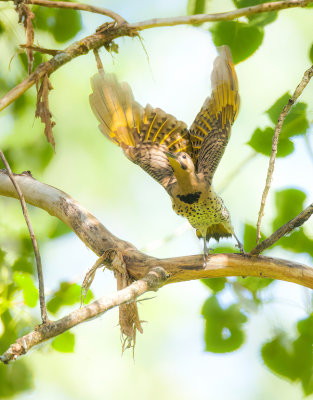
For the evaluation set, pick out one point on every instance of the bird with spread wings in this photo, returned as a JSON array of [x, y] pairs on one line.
[[183, 161]]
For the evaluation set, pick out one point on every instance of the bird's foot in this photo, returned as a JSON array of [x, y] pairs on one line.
[[206, 255], [240, 247]]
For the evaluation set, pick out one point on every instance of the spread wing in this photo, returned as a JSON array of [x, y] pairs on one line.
[[210, 132], [143, 133]]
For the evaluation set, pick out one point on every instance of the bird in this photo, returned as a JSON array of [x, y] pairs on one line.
[[181, 160]]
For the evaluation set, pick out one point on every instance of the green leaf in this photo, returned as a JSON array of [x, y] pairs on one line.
[[242, 38], [196, 7], [15, 378], [62, 23], [293, 359], [278, 356], [249, 237], [38, 59], [23, 264], [274, 111], [296, 122], [215, 284], [261, 19], [30, 292], [35, 156], [289, 203], [67, 25], [64, 343], [224, 249], [67, 295], [261, 141], [253, 284], [223, 327], [311, 54], [2, 256], [58, 229]]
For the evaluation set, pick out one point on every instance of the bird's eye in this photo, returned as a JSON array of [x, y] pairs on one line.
[[184, 156]]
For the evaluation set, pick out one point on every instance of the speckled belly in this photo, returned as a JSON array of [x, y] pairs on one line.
[[204, 213]]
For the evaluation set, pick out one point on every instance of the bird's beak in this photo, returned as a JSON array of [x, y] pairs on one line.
[[174, 161]]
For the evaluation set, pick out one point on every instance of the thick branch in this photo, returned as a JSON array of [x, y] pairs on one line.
[[99, 239], [44, 332], [110, 32], [283, 230], [149, 272], [64, 207], [299, 89]]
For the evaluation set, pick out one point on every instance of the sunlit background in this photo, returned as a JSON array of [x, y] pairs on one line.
[[169, 69]]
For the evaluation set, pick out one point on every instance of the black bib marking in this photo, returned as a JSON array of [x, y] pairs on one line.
[[190, 198]]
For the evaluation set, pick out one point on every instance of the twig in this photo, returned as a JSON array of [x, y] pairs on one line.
[[98, 60], [283, 230], [225, 16], [299, 89], [104, 37], [78, 6], [150, 282], [51, 52], [43, 308]]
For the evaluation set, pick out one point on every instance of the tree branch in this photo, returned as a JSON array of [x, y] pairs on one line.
[[150, 282], [138, 264], [283, 230], [109, 32], [225, 16], [299, 89], [77, 6]]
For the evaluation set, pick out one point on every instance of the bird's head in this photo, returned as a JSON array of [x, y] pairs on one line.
[[181, 163]]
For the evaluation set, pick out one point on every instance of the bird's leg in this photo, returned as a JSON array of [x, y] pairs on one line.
[[239, 245], [206, 252]]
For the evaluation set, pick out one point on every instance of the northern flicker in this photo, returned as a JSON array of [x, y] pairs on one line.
[[183, 161]]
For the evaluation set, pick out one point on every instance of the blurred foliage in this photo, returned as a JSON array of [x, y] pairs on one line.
[[292, 359], [311, 54], [63, 24], [196, 6], [64, 343], [224, 331], [67, 295], [289, 203], [242, 38], [223, 327], [215, 284], [14, 379], [296, 123]]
